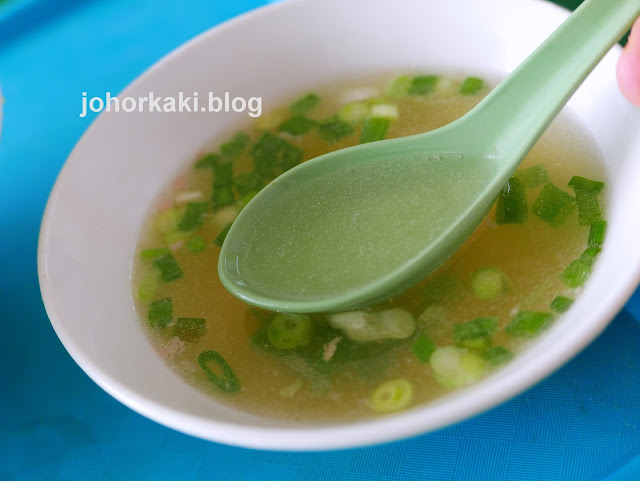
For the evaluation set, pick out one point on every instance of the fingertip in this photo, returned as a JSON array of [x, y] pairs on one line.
[[628, 69]]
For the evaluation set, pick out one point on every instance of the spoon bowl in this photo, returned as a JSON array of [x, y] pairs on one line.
[[335, 232]]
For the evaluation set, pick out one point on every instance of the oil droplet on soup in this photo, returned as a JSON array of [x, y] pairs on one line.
[[519, 271]]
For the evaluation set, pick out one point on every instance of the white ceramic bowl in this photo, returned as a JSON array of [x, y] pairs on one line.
[[105, 189]]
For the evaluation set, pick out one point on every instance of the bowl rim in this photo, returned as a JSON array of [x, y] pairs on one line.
[[365, 432]]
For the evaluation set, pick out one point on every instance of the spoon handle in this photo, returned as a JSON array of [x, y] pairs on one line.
[[517, 112]]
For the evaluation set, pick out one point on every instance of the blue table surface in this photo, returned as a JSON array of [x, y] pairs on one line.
[[55, 424]]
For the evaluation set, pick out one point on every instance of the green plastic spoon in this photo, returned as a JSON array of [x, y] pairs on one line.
[[359, 225]]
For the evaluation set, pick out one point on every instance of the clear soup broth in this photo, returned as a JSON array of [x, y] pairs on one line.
[[517, 273]]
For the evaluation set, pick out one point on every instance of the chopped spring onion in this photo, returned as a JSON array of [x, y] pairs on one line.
[[297, 125], [596, 234], [352, 114], [361, 326], [209, 160], [588, 207], [475, 334], [248, 182], [423, 347], [333, 129], [512, 203], [197, 245], [190, 329], [384, 111], [359, 94], [577, 271], [265, 153], [374, 129], [553, 205], [448, 86], [160, 313], [399, 86], [471, 86], [289, 331], [351, 321], [223, 174], [488, 282], [423, 84], [192, 217], [149, 254], [305, 103], [291, 390], [395, 323], [167, 221], [587, 192], [222, 197], [149, 284], [581, 183], [391, 396], [169, 268], [529, 323], [454, 367], [589, 256], [227, 382], [219, 240], [532, 177], [235, 146], [225, 216], [189, 196], [497, 355], [291, 156], [561, 304]]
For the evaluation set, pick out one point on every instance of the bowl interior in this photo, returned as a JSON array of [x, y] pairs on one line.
[[108, 184]]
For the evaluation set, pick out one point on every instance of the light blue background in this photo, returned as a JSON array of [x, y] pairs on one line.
[[55, 424]]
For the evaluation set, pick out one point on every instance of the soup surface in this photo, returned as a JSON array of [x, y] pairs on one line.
[[514, 276]]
